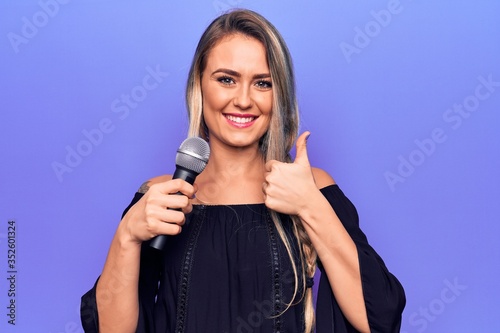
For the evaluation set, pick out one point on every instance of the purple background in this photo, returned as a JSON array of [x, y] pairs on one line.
[[379, 84]]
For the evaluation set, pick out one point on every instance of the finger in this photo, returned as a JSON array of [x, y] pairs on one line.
[[162, 214], [195, 189], [174, 186], [301, 148], [177, 201], [168, 229], [164, 201], [164, 222], [173, 217], [264, 186]]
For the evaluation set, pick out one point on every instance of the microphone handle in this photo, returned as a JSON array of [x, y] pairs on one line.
[[188, 175]]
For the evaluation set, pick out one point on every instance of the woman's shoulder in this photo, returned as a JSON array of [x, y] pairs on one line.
[[148, 183], [322, 178]]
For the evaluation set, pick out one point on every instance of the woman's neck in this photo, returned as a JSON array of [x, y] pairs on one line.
[[232, 176]]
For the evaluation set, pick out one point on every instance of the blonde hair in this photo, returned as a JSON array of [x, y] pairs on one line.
[[282, 133]]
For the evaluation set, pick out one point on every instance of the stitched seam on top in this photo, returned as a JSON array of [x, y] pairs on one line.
[[275, 274], [187, 264]]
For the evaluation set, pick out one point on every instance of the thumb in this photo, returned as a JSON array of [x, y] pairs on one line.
[[301, 149]]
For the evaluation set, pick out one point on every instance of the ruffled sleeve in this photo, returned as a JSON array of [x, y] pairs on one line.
[[148, 285], [384, 296]]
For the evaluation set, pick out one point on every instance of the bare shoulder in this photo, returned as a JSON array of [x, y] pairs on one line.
[[147, 184], [322, 178]]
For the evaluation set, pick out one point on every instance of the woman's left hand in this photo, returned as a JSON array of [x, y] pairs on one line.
[[289, 186]]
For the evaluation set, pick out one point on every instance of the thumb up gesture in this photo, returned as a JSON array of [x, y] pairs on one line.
[[287, 186]]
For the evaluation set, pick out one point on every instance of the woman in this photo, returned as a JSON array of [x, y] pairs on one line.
[[242, 252]]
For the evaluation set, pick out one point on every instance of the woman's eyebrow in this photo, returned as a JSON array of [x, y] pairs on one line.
[[236, 74]]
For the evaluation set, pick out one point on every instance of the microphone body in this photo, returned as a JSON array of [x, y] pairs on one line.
[[186, 174], [192, 157]]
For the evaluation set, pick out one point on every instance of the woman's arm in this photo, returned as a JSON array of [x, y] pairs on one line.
[[294, 189], [117, 294], [116, 291], [337, 252]]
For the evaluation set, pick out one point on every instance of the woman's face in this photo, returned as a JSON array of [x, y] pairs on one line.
[[237, 92]]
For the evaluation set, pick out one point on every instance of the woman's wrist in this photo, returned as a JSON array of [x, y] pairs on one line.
[[124, 236], [309, 212]]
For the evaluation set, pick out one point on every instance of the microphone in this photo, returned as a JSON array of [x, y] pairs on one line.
[[192, 157]]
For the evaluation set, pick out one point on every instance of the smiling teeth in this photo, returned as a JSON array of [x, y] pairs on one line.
[[240, 120]]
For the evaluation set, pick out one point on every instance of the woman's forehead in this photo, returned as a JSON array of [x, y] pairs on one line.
[[240, 53]]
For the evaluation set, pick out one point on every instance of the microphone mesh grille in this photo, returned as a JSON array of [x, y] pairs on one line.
[[193, 154]]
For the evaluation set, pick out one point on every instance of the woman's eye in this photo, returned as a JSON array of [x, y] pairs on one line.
[[225, 80], [263, 84]]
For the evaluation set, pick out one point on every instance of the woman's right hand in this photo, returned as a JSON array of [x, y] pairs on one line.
[[151, 215]]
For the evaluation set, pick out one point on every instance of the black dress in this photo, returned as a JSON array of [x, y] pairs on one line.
[[228, 271]]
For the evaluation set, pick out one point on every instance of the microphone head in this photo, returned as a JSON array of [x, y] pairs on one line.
[[193, 154]]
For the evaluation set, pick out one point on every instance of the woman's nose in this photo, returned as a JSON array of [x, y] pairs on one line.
[[243, 98]]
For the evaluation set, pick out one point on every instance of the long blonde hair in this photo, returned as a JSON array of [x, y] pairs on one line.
[[282, 133]]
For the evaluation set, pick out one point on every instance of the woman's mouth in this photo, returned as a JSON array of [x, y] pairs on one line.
[[240, 121]]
